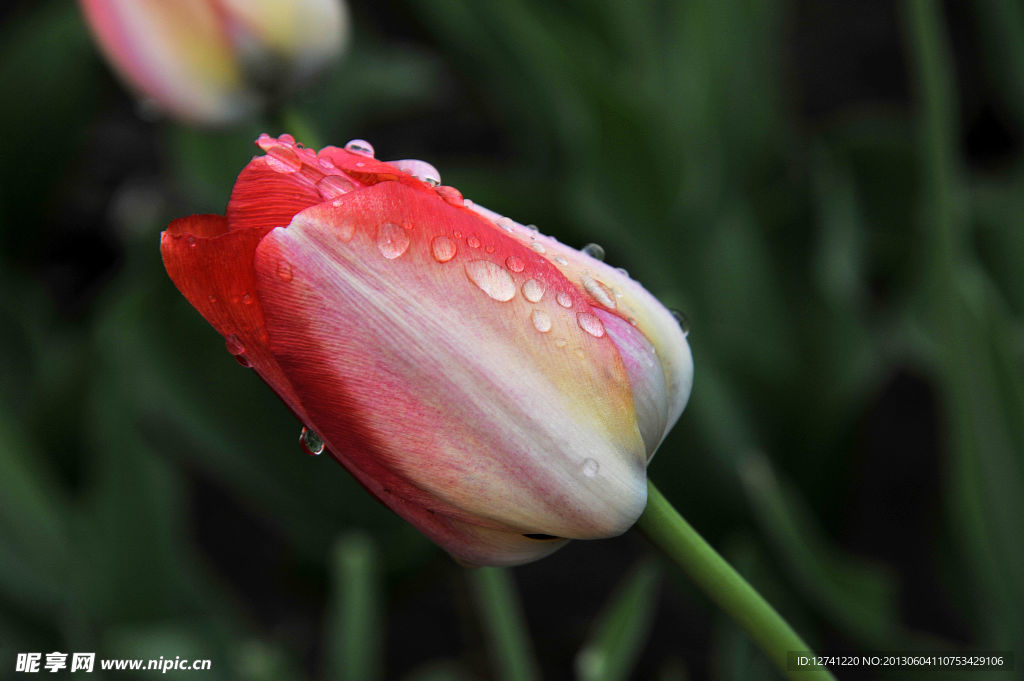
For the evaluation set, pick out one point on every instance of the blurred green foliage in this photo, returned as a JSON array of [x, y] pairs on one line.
[[852, 268]]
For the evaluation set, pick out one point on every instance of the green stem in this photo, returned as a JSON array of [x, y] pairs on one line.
[[666, 529]]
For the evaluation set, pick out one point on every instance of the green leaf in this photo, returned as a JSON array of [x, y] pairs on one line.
[[34, 536], [979, 371], [33, 506], [985, 399], [621, 630], [856, 596]]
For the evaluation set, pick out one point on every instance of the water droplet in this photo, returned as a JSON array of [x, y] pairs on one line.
[[237, 349], [590, 467], [191, 241], [623, 271], [450, 195], [361, 147], [265, 141], [533, 290], [392, 240], [564, 299], [284, 270], [213, 298], [247, 299], [537, 246], [333, 186], [594, 251], [421, 170], [561, 342], [283, 159], [591, 324], [489, 248], [560, 260], [473, 241], [541, 320], [234, 345], [515, 263], [533, 228], [443, 249], [682, 321], [310, 442], [505, 224], [494, 280], [599, 292], [285, 138]]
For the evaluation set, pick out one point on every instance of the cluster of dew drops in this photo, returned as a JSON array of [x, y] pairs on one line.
[[309, 440]]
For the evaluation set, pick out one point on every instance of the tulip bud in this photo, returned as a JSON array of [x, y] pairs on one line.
[[497, 389], [216, 61]]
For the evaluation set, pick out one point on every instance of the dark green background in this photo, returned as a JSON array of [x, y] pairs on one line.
[[832, 191]]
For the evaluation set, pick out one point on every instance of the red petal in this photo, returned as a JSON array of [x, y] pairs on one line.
[[366, 169], [213, 269], [199, 226], [265, 197], [290, 178]]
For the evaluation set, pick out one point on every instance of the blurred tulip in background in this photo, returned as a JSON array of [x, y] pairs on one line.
[[217, 61]]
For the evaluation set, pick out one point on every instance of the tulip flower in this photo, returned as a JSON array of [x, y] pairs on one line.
[[501, 391], [216, 61]]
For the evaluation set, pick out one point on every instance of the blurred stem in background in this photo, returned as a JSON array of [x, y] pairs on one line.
[[503, 623], [292, 121], [353, 646], [670, 532]]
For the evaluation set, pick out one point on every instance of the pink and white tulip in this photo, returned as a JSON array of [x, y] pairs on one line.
[[217, 61], [499, 390]]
